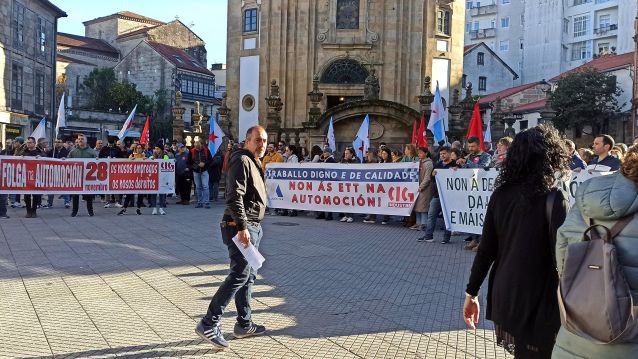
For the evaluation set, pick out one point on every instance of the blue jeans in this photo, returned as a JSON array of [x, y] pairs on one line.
[[421, 218], [3, 204], [239, 283], [67, 199], [433, 214], [201, 187], [153, 200]]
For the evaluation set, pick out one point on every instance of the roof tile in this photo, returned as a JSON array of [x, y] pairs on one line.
[[180, 58], [71, 40], [603, 64]]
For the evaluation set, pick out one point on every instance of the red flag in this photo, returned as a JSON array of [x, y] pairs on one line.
[[144, 137], [476, 126], [415, 139], [422, 141]]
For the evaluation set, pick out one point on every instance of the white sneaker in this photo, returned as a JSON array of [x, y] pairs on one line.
[[350, 219], [162, 211], [343, 219], [17, 204], [154, 211], [117, 205], [108, 205]]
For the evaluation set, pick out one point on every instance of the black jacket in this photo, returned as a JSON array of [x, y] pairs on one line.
[[215, 170], [245, 189]]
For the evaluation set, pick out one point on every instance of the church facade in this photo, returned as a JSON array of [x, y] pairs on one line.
[[339, 59]]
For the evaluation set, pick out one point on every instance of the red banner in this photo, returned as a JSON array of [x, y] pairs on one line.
[[31, 175]]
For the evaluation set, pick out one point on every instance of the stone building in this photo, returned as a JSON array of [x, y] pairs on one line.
[[27, 65], [486, 70], [357, 58], [125, 30], [153, 66], [77, 56]]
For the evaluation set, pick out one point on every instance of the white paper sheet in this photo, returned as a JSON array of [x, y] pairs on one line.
[[252, 255]]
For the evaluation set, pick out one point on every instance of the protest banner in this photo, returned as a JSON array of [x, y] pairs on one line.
[[389, 188], [43, 175], [465, 194]]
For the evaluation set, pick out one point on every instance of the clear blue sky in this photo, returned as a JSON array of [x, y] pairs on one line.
[[209, 17]]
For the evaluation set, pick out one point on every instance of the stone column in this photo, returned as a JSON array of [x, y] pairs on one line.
[[315, 97], [455, 123], [273, 118], [178, 120], [224, 122]]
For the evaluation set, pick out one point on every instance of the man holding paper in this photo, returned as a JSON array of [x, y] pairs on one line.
[[245, 209]]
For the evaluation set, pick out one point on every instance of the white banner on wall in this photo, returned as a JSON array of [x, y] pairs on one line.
[[389, 188], [465, 194]]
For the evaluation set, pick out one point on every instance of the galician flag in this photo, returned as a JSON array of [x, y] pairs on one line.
[[361, 143], [215, 137], [61, 121], [40, 131], [128, 124], [437, 117], [487, 136], [331, 136]]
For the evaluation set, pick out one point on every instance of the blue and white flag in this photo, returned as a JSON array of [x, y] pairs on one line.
[[331, 136], [40, 131], [61, 121], [487, 136], [361, 143], [215, 137], [128, 124], [437, 117]]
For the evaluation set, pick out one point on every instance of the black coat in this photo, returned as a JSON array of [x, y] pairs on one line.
[[245, 189], [521, 296], [215, 170]]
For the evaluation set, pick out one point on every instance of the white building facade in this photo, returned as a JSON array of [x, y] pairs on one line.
[[541, 39], [499, 24]]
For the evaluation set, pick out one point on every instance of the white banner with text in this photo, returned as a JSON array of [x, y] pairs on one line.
[[465, 194], [385, 188]]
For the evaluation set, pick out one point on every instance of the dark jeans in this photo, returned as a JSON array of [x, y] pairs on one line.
[[129, 200], [3, 204], [239, 283], [183, 186], [32, 201], [152, 199], [433, 214], [214, 190], [51, 197], [76, 202]]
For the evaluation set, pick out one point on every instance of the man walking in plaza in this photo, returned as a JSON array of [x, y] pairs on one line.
[[82, 151], [245, 208]]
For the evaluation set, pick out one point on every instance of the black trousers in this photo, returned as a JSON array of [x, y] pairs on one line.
[[32, 201], [183, 185], [129, 200], [76, 203]]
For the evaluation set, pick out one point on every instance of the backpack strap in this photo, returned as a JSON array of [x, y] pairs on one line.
[[620, 225]]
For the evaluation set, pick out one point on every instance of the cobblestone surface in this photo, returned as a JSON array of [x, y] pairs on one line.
[[135, 286]]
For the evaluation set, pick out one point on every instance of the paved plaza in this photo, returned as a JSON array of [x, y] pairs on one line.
[[135, 286]]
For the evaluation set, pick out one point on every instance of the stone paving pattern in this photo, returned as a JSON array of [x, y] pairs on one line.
[[135, 286]]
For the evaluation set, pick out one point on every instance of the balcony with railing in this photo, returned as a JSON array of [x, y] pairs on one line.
[[484, 10], [608, 29], [482, 33]]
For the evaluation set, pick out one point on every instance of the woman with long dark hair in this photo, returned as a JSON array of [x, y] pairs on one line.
[[518, 245]]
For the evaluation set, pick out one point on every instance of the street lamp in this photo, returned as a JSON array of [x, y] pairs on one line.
[[547, 113]]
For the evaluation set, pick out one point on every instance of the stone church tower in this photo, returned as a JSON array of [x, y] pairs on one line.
[[341, 59]]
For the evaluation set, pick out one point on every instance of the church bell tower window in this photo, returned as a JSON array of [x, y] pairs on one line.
[[347, 14]]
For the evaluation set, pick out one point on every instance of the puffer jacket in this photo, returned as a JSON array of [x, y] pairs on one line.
[[605, 199]]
